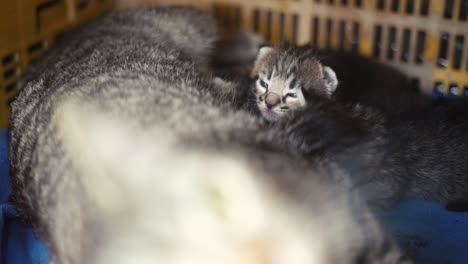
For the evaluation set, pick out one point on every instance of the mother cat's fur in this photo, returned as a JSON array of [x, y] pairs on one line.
[[144, 69]]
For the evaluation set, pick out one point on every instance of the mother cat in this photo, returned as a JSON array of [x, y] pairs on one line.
[[95, 171]]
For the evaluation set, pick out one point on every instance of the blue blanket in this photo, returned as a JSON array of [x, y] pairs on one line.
[[18, 244], [425, 229]]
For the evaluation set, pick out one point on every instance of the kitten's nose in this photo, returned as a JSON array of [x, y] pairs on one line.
[[272, 99]]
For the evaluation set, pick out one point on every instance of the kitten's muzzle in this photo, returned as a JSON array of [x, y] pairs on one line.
[[272, 100]]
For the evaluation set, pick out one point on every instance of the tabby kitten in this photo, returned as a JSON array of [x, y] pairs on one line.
[[421, 154], [286, 76]]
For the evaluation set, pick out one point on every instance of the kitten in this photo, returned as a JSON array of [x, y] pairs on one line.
[[95, 171], [421, 154], [286, 76]]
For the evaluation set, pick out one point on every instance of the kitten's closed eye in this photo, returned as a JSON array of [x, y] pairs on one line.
[[292, 84], [292, 95], [263, 84]]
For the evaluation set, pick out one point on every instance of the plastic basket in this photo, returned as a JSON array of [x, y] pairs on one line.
[[427, 39], [27, 29]]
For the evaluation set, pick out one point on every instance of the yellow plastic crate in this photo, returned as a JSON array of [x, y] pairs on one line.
[[427, 39], [27, 29]]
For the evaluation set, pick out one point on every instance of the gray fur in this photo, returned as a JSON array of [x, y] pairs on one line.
[[144, 70], [422, 156]]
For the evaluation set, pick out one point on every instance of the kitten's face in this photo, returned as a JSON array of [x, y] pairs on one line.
[[284, 77], [277, 96]]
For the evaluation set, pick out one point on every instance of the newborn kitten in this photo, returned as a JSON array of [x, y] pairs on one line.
[[421, 154], [287, 76]]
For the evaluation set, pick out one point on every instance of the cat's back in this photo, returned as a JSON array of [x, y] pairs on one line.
[[127, 60], [124, 44]]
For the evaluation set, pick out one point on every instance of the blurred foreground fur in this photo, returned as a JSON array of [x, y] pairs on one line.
[[125, 150], [235, 53], [158, 200]]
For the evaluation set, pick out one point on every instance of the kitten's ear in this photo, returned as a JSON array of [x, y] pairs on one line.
[[331, 80], [263, 51]]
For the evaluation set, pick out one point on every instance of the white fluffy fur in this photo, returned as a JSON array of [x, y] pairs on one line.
[[331, 78], [159, 203]]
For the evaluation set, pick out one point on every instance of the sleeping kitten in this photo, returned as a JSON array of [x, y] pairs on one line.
[[421, 154], [287, 76], [97, 173]]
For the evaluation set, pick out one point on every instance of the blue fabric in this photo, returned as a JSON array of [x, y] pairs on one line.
[[429, 233], [18, 244], [425, 229]]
